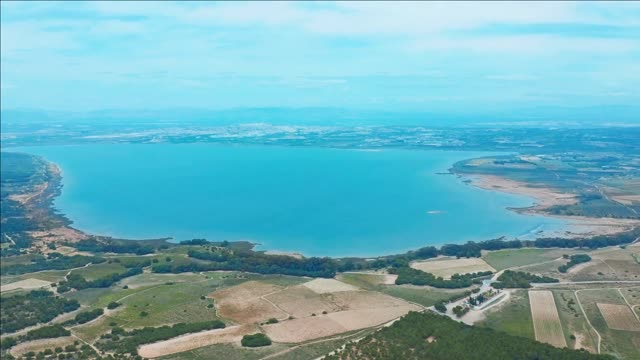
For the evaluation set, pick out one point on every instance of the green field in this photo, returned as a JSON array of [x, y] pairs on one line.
[[573, 321], [514, 317], [504, 259], [363, 281], [95, 271]]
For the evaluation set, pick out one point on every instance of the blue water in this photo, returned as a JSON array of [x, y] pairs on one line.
[[315, 201]]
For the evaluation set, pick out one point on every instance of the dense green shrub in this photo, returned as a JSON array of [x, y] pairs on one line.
[[45, 332], [255, 340], [574, 260], [39, 306], [87, 316], [407, 275], [112, 305], [519, 279]]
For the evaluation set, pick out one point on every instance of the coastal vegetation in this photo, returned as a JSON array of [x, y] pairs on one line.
[[407, 275], [252, 261]]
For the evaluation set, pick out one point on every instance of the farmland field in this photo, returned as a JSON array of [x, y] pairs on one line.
[[620, 343], [503, 259], [546, 321], [578, 333], [445, 267], [619, 317], [514, 317]]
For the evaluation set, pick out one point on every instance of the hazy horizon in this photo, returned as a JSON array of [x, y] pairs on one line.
[[464, 59]]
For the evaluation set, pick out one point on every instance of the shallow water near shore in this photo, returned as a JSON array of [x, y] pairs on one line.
[[316, 201]]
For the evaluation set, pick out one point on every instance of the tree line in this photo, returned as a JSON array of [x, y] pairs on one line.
[[122, 341], [407, 275]]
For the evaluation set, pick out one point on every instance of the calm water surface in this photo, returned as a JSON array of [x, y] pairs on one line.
[[312, 200]]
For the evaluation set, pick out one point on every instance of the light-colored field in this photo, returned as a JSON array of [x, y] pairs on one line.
[[40, 345], [355, 300], [299, 330], [619, 317], [546, 321], [188, 342], [25, 285], [626, 199], [445, 267], [243, 303], [358, 310], [306, 312], [300, 301], [543, 196], [323, 286]]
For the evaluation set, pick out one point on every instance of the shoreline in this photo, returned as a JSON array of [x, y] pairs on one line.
[[544, 198]]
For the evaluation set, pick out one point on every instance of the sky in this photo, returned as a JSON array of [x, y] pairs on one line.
[[425, 56]]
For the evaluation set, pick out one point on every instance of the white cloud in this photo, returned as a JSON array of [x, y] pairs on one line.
[[117, 27], [525, 44]]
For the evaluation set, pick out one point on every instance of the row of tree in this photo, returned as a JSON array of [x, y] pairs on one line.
[[407, 275], [122, 341]]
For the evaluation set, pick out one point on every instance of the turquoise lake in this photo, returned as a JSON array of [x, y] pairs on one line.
[[316, 201]]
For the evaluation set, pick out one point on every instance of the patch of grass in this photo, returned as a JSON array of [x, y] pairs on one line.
[[514, 317], [503, 259], [282, 280], [227, 352], [167, 304], [100, 297], [363, 281], [632, 295], [96, 271], [152, 279]]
